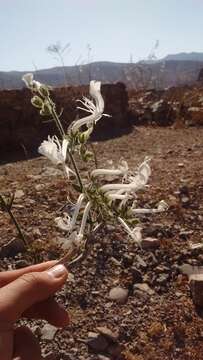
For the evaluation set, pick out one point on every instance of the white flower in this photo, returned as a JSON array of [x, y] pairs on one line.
[[95, 92], [96, 110], [136, 182], [84, 220], [162, 206], [30, 83], [55, 152], [67, 224], [122, 170], [135, 234]]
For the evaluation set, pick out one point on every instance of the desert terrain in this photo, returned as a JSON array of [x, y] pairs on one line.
[[154, 316]]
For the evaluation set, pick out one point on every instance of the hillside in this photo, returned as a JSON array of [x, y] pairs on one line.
[[159, 74]]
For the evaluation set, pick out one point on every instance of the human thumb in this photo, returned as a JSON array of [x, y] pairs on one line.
[[27, 290]]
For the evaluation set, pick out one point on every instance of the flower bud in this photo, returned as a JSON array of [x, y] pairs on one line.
[[44, 90], [37, 102], [45, 110]]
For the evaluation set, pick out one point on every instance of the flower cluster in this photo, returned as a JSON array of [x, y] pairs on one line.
[[111, 201]]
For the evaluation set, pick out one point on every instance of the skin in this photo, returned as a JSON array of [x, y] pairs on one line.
[[28, 293]]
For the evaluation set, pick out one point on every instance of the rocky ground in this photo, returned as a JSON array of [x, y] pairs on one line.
[[125, 302]]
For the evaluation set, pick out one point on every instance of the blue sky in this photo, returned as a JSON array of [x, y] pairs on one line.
[[114, 29]]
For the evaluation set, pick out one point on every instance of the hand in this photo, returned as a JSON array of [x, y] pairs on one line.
[[26, 293]]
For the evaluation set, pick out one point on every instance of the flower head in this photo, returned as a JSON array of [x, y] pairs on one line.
[[55, 152], [95, 110], [30, 83]]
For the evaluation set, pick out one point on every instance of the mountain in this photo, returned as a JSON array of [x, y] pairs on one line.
[[171, 71], [192, 56]]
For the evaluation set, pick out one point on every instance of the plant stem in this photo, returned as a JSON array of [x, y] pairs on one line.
[[9, 211], [60, 128]]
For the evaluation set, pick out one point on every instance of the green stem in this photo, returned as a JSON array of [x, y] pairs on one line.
[[60, 128], [8, 209]]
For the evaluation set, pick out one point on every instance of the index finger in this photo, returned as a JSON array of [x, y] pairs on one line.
[[7, 276]]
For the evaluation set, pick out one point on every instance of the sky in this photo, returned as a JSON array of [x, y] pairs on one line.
[[97, 30]]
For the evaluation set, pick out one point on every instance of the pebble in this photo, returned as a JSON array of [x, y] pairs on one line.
[[118, 294], [19, 194], [48, 332], [110, 335], [144, 287], [39, 187], [150, 243]]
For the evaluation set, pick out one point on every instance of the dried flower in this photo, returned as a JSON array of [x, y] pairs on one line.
[[55, 152]]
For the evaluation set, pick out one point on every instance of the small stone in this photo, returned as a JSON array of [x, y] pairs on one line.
[[110, 335], [118, 294], [144, 287], [48, 332], [19, 194], [196, 287], [196, 246], [102, 357], [189, 270], [36, 232], [185, 200], [39, 187], [150, 243], [97, 342]]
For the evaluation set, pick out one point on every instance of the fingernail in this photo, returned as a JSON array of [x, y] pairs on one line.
[[57, 271]]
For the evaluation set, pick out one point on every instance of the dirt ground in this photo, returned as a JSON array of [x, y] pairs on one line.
[[160, 322]]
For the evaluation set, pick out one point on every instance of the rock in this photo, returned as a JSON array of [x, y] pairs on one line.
[[196, 287], [189, 270], [118, 294], [39, 187], [110, 335], [12, 248], [36, 233], [48, 332], [185, 200], [19, 194], [102, 357], [196, 246], [97, 342], [144, 287], [150, 243]]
